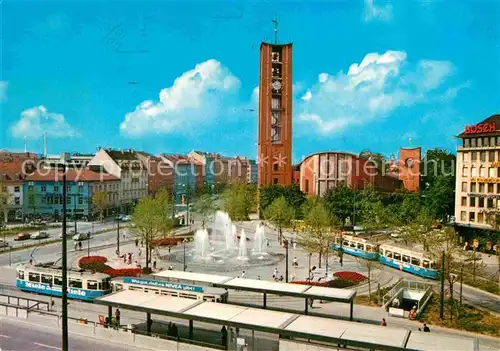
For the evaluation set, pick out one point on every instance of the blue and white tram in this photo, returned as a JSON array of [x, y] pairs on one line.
[[407, 260], [356, 246], [82, 285], [163, 287]]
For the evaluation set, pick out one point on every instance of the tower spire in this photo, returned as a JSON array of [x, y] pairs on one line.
[[275, 22]]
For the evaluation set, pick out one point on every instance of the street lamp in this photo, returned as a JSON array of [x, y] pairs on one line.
[[118, 235], [65, 347], [186, 240], [285, 244]]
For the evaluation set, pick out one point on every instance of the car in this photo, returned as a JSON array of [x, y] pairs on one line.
[[3, 244], [68, 233], [40, 235], [22, 236], [81, 237]]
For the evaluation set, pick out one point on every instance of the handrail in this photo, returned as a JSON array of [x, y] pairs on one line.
[[24, 303]]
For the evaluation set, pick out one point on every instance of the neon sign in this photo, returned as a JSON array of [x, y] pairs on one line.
[[480, 128]]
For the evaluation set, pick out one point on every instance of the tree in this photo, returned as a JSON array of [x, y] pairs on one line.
[[206, 207], [370, 266], [292, 193], [240, 200], [280, 213], [435, 163], [32, 200], [319, 236], [100, 203], [440, 197], [4, 198], [340, 201], [151, 221], [377, 158]]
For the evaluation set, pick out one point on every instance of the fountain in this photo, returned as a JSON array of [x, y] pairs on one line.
[[242, 252], [218, 250]]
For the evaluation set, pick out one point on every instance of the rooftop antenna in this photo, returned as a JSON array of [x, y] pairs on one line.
[[275, 22]]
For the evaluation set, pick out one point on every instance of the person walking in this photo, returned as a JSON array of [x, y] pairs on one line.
[[117, 317], [136, 242], [243, 274], [426, 328], [384, 323], [80, 245], [223, 333]]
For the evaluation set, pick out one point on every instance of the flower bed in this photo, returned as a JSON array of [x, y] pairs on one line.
[[92, 259], [167, 241], [337, 283], [353, 277], [98, 264], [123, 272]]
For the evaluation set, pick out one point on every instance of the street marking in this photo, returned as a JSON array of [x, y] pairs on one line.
[[47, 346], [4, 336]]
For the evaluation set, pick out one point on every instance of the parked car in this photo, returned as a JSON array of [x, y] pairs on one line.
[[3, 244], [22, 236], [68, 233], [81, 237], [40, 235]]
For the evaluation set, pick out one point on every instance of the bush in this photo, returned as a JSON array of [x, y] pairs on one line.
[[353, 277]]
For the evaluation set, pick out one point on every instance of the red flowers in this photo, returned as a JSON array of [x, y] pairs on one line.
[[98, 264], [172, 241], [354, 277], [92, 259], [123, 272]]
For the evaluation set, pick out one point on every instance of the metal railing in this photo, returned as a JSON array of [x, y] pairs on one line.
[[402, 284], [23, 303]]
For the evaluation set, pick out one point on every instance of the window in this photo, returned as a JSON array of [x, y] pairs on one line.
[[275, 167], [481, 202], [388, 253], [491, 156], [30, 188], [472, 202], [482, 171], [490, 203], [17, 200], [359, 246], [479, 142], [465, 171], [464, 201], [397, 256], [68, 200], [473, 171], [56, 188], [463, 216], [105, 285], [492, 172], [473, 187], [406, 258], [483, 156], [80, 188], [466, 143], [464, 187], [498, 188], [276, 104], [75, 283], [275, 181], [490, 187], [486, 141], [44, 188], [426, 264], [369, 248], [351, 244], [492, 141], [473, 142], [69, 188], [20, 275], [47, 278], [415, 261], [92, 284], [34, 277], [473, 156], [472, 216], [17, 189], [345, 243], [58, 281], [80, 200], [480, 217], [481, 187]]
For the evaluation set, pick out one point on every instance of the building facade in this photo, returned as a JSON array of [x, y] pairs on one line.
[[477, 188], [322, 171], [275, 115], [252, 171], [127, 166], [160, 174], [189, 176], [76, 161], [43, 193]]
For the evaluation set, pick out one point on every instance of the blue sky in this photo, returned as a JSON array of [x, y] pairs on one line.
[[167, 76]]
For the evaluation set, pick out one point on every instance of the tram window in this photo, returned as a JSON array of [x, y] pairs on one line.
[[352, 244], [34, 277], [92, 284], [359, 246], [433, 265], [47, 278], [426, 264], [406, 258], [388, 253], [415, 261], [75, 283], [369, 248], [58, 281], [20, 275], [397, 256], [106, 285], [346, 243]]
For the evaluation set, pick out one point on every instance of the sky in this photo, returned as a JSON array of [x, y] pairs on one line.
[[171, 77]]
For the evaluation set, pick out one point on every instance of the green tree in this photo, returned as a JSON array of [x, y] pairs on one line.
[[206, 207], [240, 201], [100, 203], [341, 202], [292, 193], [440, 197], [435, 163], [151, 221], [32, 200], [319, 236], [280, 213], [377, 158]]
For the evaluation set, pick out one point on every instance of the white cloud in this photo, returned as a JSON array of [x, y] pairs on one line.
[[37, 120], [196, 97], [377, 12], [3, 90], [370, 90]]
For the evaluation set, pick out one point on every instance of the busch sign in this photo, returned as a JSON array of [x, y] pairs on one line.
[[480, 128]]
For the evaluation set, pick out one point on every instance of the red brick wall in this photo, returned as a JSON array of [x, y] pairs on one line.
[[410, 175]]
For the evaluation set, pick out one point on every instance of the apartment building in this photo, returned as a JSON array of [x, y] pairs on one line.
[[161, 174], [477, 188], [189, 176]]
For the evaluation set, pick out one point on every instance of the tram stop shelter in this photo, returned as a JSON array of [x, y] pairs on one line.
[[307, 292], [290, 328]]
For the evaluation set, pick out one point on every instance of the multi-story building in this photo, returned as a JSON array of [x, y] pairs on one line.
[[125, 165], [322, 171], [189, 176], [160, 173], [14, 167], [252, 175], [76, 160], [275, 115], [477, 188], [238, 170], [43, 192]]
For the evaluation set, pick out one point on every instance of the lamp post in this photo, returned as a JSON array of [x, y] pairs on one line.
[[65, 346], [184, 261], [118, 236], [309, 274], [285, 243]]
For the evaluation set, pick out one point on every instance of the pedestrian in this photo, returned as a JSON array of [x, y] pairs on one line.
[[136, 242], [139, 252], [150, 324], [426, 328], [170, 268], [175, 331], [292, 278], [76, 245], [117, 317], [80, 245], [223, 333], [281, 277], [275, 273], [243, 274], [267, 242], [295, 262], [384, 323], [154, 264]]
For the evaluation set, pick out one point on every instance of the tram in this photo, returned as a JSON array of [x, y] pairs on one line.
[[46, 280], [356, 246], [410, 261], [162, 287]]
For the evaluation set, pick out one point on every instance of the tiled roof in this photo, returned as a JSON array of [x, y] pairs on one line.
[[177, 159], [122, 155], [71, 176], [492, 119]]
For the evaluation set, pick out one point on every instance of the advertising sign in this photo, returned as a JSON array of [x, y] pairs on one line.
[[480, 128], [163, 284]]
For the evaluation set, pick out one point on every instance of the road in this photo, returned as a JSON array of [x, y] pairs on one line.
[[54, 233], [19, 336]]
